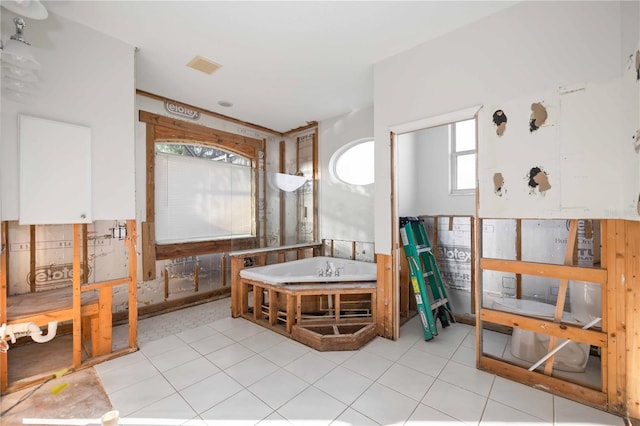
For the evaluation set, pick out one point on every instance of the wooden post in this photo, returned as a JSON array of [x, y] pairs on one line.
[[77, 308], [562, 292], [518, 257], [132, 237], [32, 258], [85, 254], [632, 340], [4, 248]]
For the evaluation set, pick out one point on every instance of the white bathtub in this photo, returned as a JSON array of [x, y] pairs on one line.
[[308, 270]]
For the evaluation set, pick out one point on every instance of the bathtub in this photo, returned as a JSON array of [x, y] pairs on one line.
[[309, 270]]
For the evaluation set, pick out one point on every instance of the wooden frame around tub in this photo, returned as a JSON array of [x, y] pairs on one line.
[[160, 128]]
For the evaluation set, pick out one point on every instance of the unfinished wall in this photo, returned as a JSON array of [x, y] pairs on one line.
[[521, 55], [87, 78], [409, 191], [346, 211]]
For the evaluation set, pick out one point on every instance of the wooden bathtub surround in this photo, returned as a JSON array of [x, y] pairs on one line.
[[290, 309], [87, 306], [618, 338]]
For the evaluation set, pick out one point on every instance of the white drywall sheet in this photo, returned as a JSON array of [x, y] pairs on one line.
[[55, 172]]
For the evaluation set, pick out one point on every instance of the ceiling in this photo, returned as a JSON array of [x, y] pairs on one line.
[[283, 63]]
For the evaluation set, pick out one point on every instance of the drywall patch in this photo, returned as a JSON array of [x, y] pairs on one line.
[[538, 180], [636, 141], [538, 116], [498, 185], [500, 120]]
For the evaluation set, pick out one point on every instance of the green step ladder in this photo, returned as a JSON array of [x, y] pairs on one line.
[[431, 296]]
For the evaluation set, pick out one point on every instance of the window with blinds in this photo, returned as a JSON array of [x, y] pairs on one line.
[[202, 197]]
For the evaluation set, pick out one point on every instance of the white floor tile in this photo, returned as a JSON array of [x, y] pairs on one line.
[[274, 419], [437, 347], [497, 414], [223, 323], [524, 398], [389, 349], [351, 417], [173, 409], [162, 345], [212, 343], [230, 355], [120, 362], [343, 384], [124, 376], [337, 357], [283, 353], [407, 381], [262, 341], [241, 409], [140, 395], [425, 415], [251, 370], [241, 329], [423, 362], [191, 372], [312, 407], [385, 405], [278, 388], [455, 402], [193, 334], [173, 358], [568, 412], [208, 392], [468, 378], [310, 367], [465, 356], [368, 364]]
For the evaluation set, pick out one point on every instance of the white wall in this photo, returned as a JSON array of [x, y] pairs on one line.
[[524, 52], [346, 212], [429, 191], [87, 78], [407, 180]]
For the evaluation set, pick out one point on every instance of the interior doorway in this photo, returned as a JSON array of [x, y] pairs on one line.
[[434, 177]]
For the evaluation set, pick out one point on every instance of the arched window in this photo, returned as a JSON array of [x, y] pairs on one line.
[[353, 164]]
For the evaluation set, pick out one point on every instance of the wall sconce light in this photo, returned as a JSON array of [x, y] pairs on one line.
[[119, 231]]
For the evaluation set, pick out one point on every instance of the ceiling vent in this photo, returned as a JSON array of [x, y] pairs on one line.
[[203, 64]]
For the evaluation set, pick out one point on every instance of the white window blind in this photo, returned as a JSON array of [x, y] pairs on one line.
[[199, 199]]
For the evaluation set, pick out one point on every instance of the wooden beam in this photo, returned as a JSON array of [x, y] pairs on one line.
[[85, 254], [632, 268], [562, 291], [148, 251], [577, 273], [77, 308], [537, 325], [132, 237], [281, 195], [309, 125], [4, 249], [32, 258], [560, 387], [150, 151], [172, 251], [170, 128], [518, 257]]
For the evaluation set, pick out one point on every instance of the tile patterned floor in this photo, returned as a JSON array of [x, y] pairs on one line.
[[200, 367]]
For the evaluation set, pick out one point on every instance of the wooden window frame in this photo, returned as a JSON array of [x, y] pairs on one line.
[[162, 129]]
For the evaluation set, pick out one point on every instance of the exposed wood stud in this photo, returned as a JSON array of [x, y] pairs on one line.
[[85, 254], [77, 318], [518, 257], [32, 258]]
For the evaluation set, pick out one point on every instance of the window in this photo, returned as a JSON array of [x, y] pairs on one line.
[[353, 164], [202, 193], [463, 156]]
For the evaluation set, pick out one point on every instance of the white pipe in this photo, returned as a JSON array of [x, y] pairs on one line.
[[562, 345], [29, 329]]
